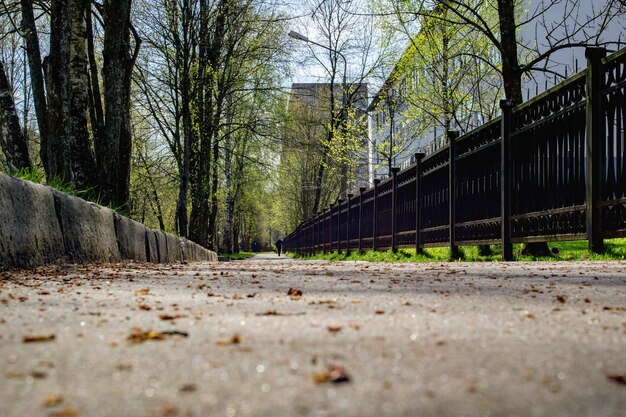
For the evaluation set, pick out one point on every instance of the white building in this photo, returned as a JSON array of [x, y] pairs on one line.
[[551, 23]]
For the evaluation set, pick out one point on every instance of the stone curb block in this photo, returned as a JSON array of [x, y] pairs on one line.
[[88, 229], [164, 254], [39, 225], [174, 248], [30, 234], [131, 238], [152, 247]]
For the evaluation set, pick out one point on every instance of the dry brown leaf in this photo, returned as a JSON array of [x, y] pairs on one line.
[[188, 388], [145, 291], [234, 340], [39, 338], [335, 374], [52, 400], [334, 329], [560, 298], [140, 336], [620, 379], [171, 316], [379, 312], [294, 292], [144, 307]]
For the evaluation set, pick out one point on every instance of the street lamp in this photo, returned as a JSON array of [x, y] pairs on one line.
[[300, 37]]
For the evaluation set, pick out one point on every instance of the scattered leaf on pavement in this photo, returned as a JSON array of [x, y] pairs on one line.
[[52, 400], [620, 379], [234, 340], [139, 336], [39, 338], [335, 374]]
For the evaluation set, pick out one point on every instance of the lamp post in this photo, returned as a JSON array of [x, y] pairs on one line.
[[300, 37]]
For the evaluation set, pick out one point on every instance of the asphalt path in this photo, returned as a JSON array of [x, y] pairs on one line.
[[272, 336]]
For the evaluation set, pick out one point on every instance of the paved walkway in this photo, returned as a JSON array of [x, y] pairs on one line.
[[268, 257], [262, 338]]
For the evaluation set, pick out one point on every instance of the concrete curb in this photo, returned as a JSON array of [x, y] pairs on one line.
[[40, 225]]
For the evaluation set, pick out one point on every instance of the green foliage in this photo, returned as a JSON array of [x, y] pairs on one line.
[[615, 249], [60, 184], [241, 256]]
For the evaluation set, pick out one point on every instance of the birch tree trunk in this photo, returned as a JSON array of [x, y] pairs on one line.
[[12, 139], [117, 70], [31, 39], [68, 151]]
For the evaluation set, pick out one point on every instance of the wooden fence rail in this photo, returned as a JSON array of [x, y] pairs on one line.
[[552, 168]]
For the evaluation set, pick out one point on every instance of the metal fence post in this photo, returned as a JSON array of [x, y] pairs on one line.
[[394, 202], [375, 214], [505, 179], [418, 201], [324, 232], [452, 137], [330, 249], [341, 201], [361, 191], [348, 224], [594, 147]]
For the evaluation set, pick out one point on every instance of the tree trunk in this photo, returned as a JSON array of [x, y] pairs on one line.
[[511, 71], [117, 69], [31, 39], [96, 110], [512, 79], [12, 139], [228, 186], [204, 155], [236, 231], [68, 152]]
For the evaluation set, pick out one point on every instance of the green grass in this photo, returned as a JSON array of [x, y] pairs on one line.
[[615, 249], [67, 187], [239, 256]]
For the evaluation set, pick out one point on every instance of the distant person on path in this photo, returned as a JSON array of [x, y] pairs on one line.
[[279, 246]]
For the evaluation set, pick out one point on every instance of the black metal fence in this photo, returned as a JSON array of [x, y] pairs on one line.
[[552, 168]]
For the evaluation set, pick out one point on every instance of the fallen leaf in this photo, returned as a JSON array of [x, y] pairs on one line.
[[188, 388], [234, 340], [144, 307], [335, 374], [379, 312], [294, 292], [560, 298], [620, 379], [333, 329], [171, 316], [140, 336], [52, 400], [124, 367], [39, 338], [145, 291]]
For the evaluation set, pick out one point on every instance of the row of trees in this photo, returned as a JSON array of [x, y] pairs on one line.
[[167, 110], [463, 56]]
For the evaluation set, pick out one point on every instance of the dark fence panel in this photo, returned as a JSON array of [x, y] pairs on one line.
[[406, 204], [548, 148], [613, 188], [478, 185], [564, 170], [435, 215]]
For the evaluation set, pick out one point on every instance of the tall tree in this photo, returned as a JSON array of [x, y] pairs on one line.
[[12, 140], [115, 149]]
